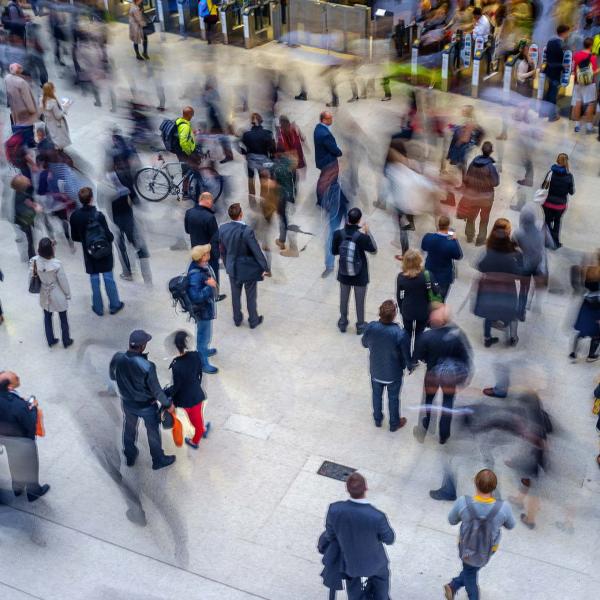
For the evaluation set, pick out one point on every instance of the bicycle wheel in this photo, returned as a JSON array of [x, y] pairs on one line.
[[152, 184], [210, 180]]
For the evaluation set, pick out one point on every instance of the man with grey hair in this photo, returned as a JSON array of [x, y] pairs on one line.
[[24, 111]]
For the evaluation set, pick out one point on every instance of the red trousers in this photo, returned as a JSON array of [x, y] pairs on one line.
[[195, 414]]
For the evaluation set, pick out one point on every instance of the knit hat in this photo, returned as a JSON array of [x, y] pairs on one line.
[[199, 251]]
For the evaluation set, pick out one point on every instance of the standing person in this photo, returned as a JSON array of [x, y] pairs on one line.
[[186, 390], [88, 226], [442, 249], [446, 351], [562, 184], [18, 425], [501, 267], [258, 146], [389, 355], [326, 154], [207, 10], [55, 117], [525, 72], [360, 529], [245, 264], [587, 323], [136, 29], [351, 245], [585, 90], [479, 182], [24, 112], [555, 53], [55, 292], [25, 209], [414, 287], [481, 517], [142, 398], [201, 225], [202, 291]]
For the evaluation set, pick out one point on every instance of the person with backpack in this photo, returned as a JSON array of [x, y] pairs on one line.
[[584, 91], [202, 291], [207, 10], [555, 53], [89, 227], [481, 517], [561, 185], [351, 244]]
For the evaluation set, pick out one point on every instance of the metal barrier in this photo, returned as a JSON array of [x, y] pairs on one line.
[[232, 24], [257, 25]]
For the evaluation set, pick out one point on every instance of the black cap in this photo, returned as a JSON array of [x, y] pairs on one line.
[[139, 337]]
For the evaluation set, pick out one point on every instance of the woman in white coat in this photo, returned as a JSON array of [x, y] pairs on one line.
[[137, 35], [55, 292], [55, 117]]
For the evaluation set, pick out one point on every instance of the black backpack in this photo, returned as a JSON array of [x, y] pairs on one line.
[[97, 244], [178, 288], [351, 263], [169, 132]]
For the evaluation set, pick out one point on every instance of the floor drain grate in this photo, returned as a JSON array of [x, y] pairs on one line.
[[335, 471]]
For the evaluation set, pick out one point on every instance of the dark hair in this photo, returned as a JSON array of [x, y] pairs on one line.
[[387, 312], [86, 196], [256, 117], [486, 481], [46, 248], [487, 148], [477, 12], [356, 485], [181, 340], [4, 382], [562, 28], [588, 42], [499, 239], [234, 211], [354, 215], [443, 222]]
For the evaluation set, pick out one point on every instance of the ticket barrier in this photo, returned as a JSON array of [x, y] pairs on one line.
[[232, 24], [278, 19], [257, 26], [450, 64], [481, 66], [168, 14]]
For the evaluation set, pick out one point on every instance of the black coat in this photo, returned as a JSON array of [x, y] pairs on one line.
[[412, 296], [364, 243], [79, 220], [201, 225], [16, 419], [561, 186], [186, 390], [497, 296], [258, 141]]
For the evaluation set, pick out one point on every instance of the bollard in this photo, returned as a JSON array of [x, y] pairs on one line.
[[507, 81], [224, 28], [476, 74], [446, 66], [414, 61]]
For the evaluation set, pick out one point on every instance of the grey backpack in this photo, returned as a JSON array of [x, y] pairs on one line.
[[477, 535]]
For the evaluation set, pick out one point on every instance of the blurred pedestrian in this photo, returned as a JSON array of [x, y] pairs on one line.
[[555, 53], [326, 155], [136, 29], [291, 142], [24, 110], [26, 209], [55, 117], [55, 292], [14, 18], [561, 185]]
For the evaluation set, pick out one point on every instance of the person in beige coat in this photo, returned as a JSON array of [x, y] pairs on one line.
[[55, 117], [136, 29], [24, 111], [54, 293]]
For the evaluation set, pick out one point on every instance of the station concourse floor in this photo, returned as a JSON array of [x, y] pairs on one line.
[[240, 517]]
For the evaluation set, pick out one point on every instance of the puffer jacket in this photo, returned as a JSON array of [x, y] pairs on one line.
[[561, 185], [201, 294], [481, 178]]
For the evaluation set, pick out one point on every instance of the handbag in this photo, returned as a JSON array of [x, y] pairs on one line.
[[149, 28], [541, 194], [40, 430], [177, 432], [432, 295], [35, 283]]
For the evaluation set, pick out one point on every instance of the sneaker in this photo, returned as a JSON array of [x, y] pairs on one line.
[[577, 129], [386, 98], [206, 430], [210, 369], [167, 460], [441, 496], [118, 309], [220, 297], [490, 341], [43, 490], [353, 99], [448, 592], [190, 443]]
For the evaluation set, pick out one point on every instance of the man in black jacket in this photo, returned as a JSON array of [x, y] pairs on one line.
[[140, 392], [351, 245], [258, 146], [18, 420], [360, 530], [555, 53], [201, 225]]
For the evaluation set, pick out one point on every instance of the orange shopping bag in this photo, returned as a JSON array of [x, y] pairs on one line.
[[177, 432], [40, 430]]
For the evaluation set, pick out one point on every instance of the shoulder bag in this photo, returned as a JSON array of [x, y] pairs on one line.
[[541, 194], [35, 283]]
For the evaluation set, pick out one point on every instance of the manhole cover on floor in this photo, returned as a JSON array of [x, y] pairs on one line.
[[335, 471]]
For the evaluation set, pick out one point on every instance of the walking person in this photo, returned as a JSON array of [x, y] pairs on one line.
[[24, 111], [291, 142], [245, 264], [26, 209], [258, 146], [414, 289], [186, 391], [351, 244], [202, 290], [562, 184], [442, 249], [136, 29], [585, 90], [555, 53], [360, 530], [142, 398], [389, 355], [18, 430], [481, 517], [55, 117], [88, 226], [501, 267], [55, 292]]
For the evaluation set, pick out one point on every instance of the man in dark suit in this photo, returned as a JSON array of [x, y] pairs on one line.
[[238, 241], [361, 530], [555, 53], [201, 225], [326, 154]]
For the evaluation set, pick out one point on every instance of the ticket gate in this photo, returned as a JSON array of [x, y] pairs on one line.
[[232, 24], [168, 14], [257, 24]]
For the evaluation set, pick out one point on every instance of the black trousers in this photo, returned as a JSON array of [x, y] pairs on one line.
[[64, 327], [28, 231], [418, 327], [379, 584], [127, 230], [552, 218], [360, 293], [447, 405], [150, 416], [23, 463], [236, 301]]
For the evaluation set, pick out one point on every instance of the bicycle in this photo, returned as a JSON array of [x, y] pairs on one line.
[[156, 183]]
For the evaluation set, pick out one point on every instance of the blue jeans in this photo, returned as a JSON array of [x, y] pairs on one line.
[[111, 291], [468, 580], [551, 97], [335, 219], [393, 390], [203, 337]]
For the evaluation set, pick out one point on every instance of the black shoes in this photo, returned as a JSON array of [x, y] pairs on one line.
[[255, 325], [400, 425], [43, 490], [130, 461], [490, 341], [68, 343], [360, 328], [53, 342], [220, 297], [377, 423], [301, 96], [168, 459], [491, 392], [441, 495], [342, 325]]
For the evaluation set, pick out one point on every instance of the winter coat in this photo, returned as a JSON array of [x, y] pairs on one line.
[[55, 291], [20, 99], [56, 123], [480, 180], [79, 220], [588, 317], [412, 296], [201, 294], [497, 297], [136, 24], [561, 185]]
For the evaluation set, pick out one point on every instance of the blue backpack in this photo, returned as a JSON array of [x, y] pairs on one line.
[[203, 8]]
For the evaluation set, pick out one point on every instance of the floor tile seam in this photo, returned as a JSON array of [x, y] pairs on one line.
[[13, 587], [136, 552]]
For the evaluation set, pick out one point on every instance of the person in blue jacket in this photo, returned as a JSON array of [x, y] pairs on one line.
[[202, 292], [326, 154], [442, 249]]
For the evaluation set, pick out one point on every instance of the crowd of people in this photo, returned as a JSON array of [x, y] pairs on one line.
[[439, 168]]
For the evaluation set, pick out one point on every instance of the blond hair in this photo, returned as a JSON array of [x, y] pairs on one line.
[[412, 263]]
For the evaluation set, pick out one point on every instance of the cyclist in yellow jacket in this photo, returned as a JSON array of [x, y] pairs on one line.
[[188, 156]]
